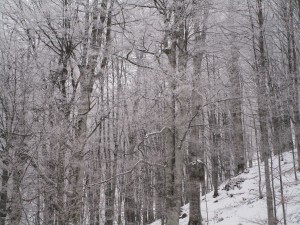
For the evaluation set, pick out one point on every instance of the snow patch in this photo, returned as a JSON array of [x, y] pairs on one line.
[[238, 202]]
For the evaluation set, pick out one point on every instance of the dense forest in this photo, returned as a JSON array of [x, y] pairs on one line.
[[121, 111]]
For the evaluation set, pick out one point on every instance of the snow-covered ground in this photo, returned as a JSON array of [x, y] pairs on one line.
[[242, 206]]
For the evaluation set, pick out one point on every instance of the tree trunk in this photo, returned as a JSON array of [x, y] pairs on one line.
[[78, 155], [158, 194], [227, 145], [196, 149], [87, 74], [263, 112], [295, 73], [17, 177], [3, 192], [215, 139], [237, 95], [130, 203], [236, 112]]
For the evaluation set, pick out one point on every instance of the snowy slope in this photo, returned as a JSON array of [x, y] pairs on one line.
[[242, 205]]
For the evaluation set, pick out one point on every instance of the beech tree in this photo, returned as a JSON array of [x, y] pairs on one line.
[[120, 112]]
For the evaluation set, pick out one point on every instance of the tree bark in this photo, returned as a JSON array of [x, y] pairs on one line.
[[196, 149], [174, 43], [215, 141], [263, 112], [3, 192], [236, 111]]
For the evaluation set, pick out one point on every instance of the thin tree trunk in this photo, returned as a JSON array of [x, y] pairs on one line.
[[227, 145], [159, 193], [258, 159], [215, 136], [3, 192], [282, 200]]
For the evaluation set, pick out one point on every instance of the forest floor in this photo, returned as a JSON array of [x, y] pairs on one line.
[[241, 204]]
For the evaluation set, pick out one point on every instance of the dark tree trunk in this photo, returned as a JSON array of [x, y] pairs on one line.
[[215, 139], [3, 192]]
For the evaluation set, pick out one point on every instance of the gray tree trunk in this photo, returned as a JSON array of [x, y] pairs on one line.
[[294, 72], [196, 152], [174, 39], [236, 111], [3, 192], [215, 143], [237, 96], [87, 74], [263, 112], [226, 146]]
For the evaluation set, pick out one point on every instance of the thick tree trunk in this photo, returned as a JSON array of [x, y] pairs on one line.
[[78, 154], [109, 202], [176, 113], [173, 195], [172, 211], [93, 193], [265, 148], [129, 200], [87, 78], [263, 113], [111, 164], [236, 112], [196, 176], [237, 95], [196, 149], [17, 177], [296, 85], [130, 203]]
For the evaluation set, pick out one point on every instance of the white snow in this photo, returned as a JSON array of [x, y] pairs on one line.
[[242, 205]]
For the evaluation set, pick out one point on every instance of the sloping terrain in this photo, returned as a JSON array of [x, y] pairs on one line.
[[238, 202]]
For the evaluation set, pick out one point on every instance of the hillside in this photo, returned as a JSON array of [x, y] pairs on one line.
[[242, 206]]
